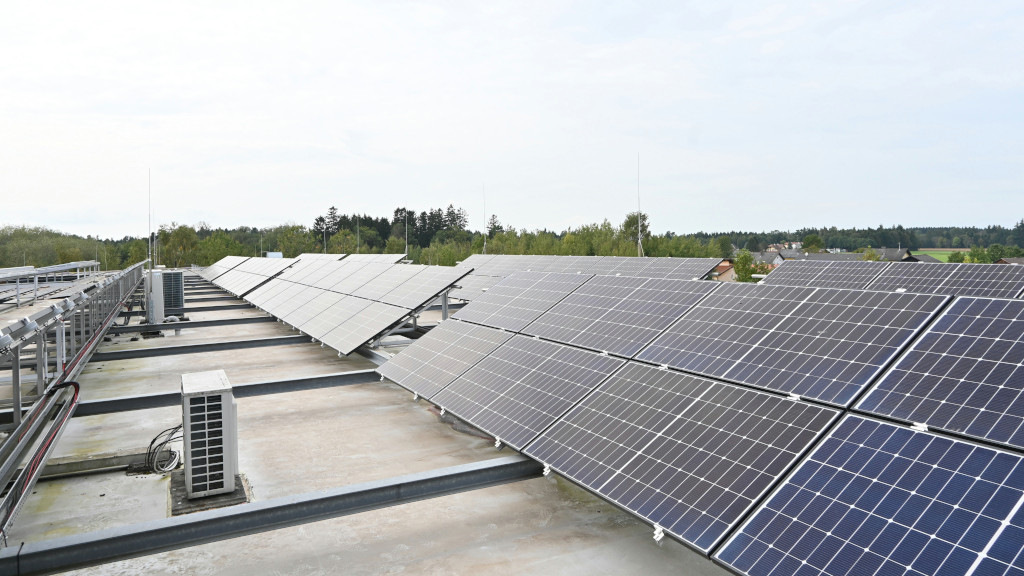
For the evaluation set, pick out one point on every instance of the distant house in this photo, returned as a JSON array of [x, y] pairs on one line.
[[1010, 261], [772, 259], [724, 272]]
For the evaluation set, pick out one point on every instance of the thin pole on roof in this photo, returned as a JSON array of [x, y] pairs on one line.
[[406, 210], [487, 232], [639, 219]]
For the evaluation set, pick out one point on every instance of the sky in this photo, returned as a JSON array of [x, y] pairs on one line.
[[736, 115]]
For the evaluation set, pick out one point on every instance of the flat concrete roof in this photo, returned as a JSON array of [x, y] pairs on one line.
[[307, 440]]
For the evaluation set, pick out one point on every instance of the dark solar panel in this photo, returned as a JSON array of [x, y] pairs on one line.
[[685, 453], [963, 375], [988, 280], [816, 343], [524, 386], [875, 498], [679, 268], [520, 299], [825, 274], [433, 361], [618, 314]]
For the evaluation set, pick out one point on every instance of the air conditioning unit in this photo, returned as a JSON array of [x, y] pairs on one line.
[[209, 420], [154, 297], [174, 289]]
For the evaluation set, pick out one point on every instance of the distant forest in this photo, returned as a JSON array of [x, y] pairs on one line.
[[441, 236]]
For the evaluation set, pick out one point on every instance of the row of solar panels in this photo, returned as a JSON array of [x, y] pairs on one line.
[[608, 381], [342, 303], [996, 281], [489, 269]]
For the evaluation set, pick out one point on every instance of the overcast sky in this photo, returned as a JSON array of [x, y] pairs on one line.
[[745, 116]]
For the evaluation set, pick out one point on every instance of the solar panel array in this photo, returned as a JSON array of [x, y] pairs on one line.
[[251, 273], [221, 266], [994, 281], [722, 421], [876, 498], [964, 375], [818, 343], [489, 269]]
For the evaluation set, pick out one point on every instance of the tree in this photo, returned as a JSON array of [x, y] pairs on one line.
[[978, 255], [752, 244], [1018, 234], [956, 257], [870, 255], [493, 226], [723, 247], [629, 231], [996, 252], [455, 218], [813, 243], [331, 221]]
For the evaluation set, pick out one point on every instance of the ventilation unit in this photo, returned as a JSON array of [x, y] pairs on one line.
[[174, 289], [210, 433]]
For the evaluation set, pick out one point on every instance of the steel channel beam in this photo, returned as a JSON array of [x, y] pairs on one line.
[[145, 538], [165, 399], [197, 348], [187, 310], [190, 324]]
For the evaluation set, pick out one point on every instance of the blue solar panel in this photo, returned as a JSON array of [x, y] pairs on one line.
[[817, 343], [964, 375], [876, 498], [683, 452], [520, 299]]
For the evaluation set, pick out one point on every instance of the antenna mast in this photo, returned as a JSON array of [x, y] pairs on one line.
[[486, 231], [149, 216], [639, 218]]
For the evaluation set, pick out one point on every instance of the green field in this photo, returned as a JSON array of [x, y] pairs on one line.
[[940, 254]]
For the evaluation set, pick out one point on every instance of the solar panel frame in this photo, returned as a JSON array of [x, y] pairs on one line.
[[682, 452], [523, 386], [877, 498], [433, 361], [964, 375], [821, 343]]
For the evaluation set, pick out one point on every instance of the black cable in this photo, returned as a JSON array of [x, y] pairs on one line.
[[157, 445]]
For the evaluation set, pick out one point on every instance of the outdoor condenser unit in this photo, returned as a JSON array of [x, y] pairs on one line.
[[210, 433], [174, 289]]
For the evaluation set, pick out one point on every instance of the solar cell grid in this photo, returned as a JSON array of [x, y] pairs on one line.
[[431, 362], [333, 273], [519, 299], [387, 280], [363, 326], [260, 295], [964, 375], [825, 273], [817, 343], [875, 498], [679, 268], [423, 287], [473, 286], [685, 453], [312, 308], [524, 386], [986, 280], [353, 280], [618, 314], [334, 316]]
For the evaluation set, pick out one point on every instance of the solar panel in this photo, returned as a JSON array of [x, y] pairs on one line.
[[283, 305], [519, 299], [618, 314], [475, 261], [473, 286], [431, 362], [685, 453], [679, 268], [334, 316], [987, 280], [301, 269], [333, 273], [352, 280], [363, 326], [221, 266], [875, 498], [313, 307], [825, 273], [964, 375], [386, 281], [524, 386], [376, 258], [260, 295], [814, 342], [423, 287]]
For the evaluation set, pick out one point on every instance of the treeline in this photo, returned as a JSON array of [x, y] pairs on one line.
[[441, 236], [853, 239]]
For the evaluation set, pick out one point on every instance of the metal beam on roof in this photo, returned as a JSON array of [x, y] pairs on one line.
[[197, 348], [190, 324], [145, 538]]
